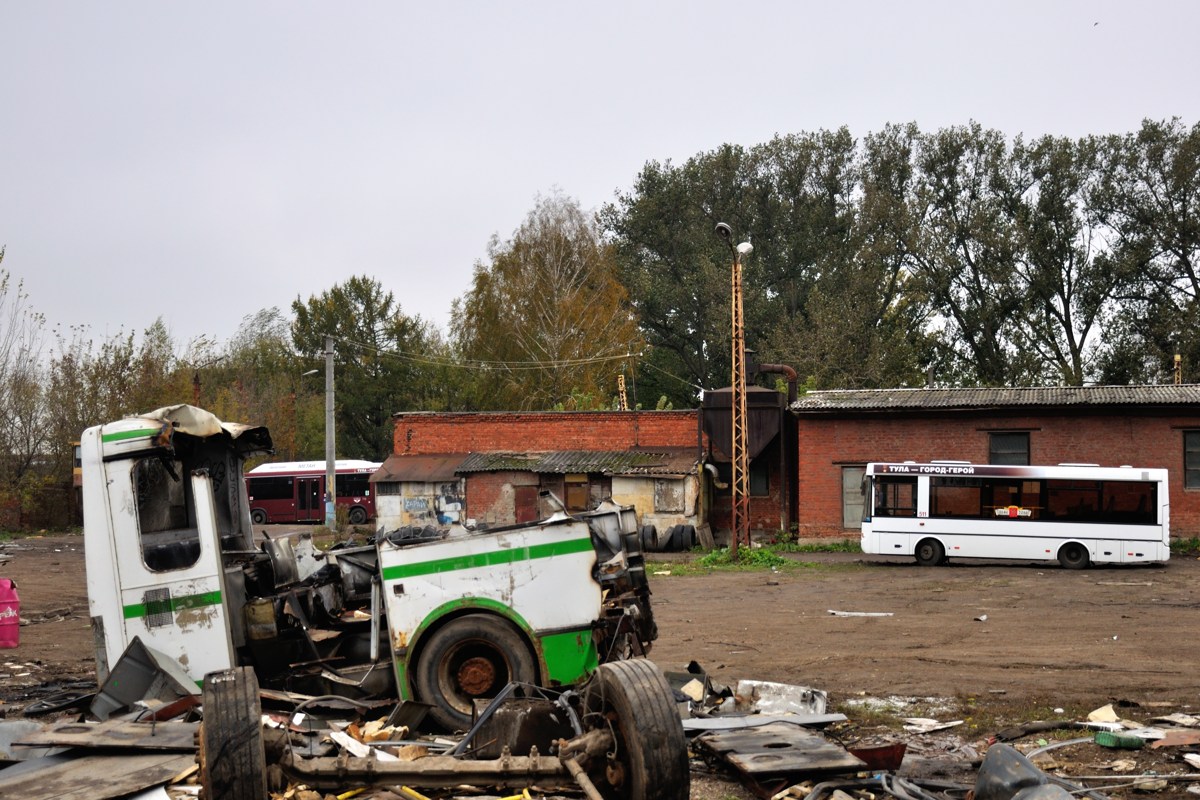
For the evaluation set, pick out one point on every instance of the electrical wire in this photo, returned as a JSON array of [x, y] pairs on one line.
[[483, 364]]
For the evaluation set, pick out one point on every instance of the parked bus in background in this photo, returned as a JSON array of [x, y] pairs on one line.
[[1078, 514], [294, 491]]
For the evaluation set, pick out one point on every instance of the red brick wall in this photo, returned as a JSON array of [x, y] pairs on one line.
[[422, 434], [490, 495], [765, 511], [828, 444]]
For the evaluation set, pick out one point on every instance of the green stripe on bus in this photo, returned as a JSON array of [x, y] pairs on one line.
[[494, 558], [172, 605], [122, 435]]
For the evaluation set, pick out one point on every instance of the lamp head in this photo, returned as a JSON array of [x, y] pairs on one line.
[[724, 231], [745, 249]]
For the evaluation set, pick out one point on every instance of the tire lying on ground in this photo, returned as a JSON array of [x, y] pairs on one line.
[[233, 764], [649, 759]]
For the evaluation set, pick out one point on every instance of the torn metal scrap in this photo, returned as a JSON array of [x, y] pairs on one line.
[[727, 722], [778, 749], [141, 673]]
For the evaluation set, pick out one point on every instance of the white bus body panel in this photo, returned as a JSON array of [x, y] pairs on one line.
[[514, 570], [180, 613]]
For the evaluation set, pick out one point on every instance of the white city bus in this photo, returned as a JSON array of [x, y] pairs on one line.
[[1078, 514]]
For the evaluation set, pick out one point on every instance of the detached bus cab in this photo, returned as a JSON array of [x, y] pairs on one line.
[[1077, 514]]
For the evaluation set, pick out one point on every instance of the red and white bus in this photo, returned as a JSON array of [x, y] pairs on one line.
[[294, 491]]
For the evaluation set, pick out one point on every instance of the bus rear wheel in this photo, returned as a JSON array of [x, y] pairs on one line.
[[258, 516], [1073, 555], [358, 515], [470, 658], [929, 552]]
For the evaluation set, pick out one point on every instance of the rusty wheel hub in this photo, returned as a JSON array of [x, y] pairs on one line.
[[476, 675]]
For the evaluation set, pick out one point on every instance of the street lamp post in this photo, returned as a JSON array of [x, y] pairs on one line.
[[740, 527], [330, 452]]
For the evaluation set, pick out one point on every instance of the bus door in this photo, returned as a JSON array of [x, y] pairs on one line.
[[310, 500], [169, 576]]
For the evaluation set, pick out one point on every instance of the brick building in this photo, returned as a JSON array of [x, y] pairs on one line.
[[839, 432], [494, 467]]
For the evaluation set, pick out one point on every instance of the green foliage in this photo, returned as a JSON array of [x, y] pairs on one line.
[[988, 261], [1186, 547], [379, 365], [840, 546], [747, 557]]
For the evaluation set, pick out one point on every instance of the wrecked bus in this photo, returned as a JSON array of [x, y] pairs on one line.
[[445, 617]]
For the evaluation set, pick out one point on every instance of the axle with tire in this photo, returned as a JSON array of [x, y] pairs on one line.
[[632, 746]]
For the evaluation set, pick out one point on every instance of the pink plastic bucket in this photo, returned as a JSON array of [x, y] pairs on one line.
[[10, 614]]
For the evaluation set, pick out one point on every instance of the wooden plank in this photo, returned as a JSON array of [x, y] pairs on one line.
[[779, 748]]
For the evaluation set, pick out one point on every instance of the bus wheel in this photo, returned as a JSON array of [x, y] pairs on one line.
[[649, 757], [470, 658], [929, 552], [1073, 555], [258, 516], [357, 515], [232, 756]]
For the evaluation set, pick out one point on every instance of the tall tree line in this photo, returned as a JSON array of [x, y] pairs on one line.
[[962, 254]]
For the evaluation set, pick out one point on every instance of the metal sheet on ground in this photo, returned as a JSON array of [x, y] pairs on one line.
[[94, 777], [777, 749], [117, 734]]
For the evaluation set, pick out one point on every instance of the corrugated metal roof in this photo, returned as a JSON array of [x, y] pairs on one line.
[[608, 462], [1040, 396], [419, 469]]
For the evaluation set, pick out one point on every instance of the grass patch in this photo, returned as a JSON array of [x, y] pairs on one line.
[[747, 557], [9, 536], [1186, 547], [843, 546]]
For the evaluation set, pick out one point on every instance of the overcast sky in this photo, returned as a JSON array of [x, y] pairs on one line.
[[202, 161]]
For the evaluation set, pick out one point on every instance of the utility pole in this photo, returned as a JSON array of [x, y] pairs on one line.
[[740, 529], [330, 450]]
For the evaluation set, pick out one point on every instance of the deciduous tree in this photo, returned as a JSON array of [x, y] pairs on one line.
[[546, 322]]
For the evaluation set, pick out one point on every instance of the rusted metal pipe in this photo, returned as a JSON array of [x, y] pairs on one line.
[[581, 777], [783, 369]]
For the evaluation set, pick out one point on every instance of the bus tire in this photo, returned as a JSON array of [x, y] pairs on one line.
[[929, 552], [357, 515], [650, 756], [231, 752], [258, 516], [469, 658], [1073, 555]]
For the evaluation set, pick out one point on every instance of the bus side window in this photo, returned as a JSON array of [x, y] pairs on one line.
[[895, 497]]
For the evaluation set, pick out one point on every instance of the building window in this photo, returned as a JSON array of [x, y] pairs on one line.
[[1008, 448], [760, 478], [576, 488], [668, 495], [1191, 459]]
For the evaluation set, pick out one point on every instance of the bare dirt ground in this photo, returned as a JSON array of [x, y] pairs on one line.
[[993, 644]]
